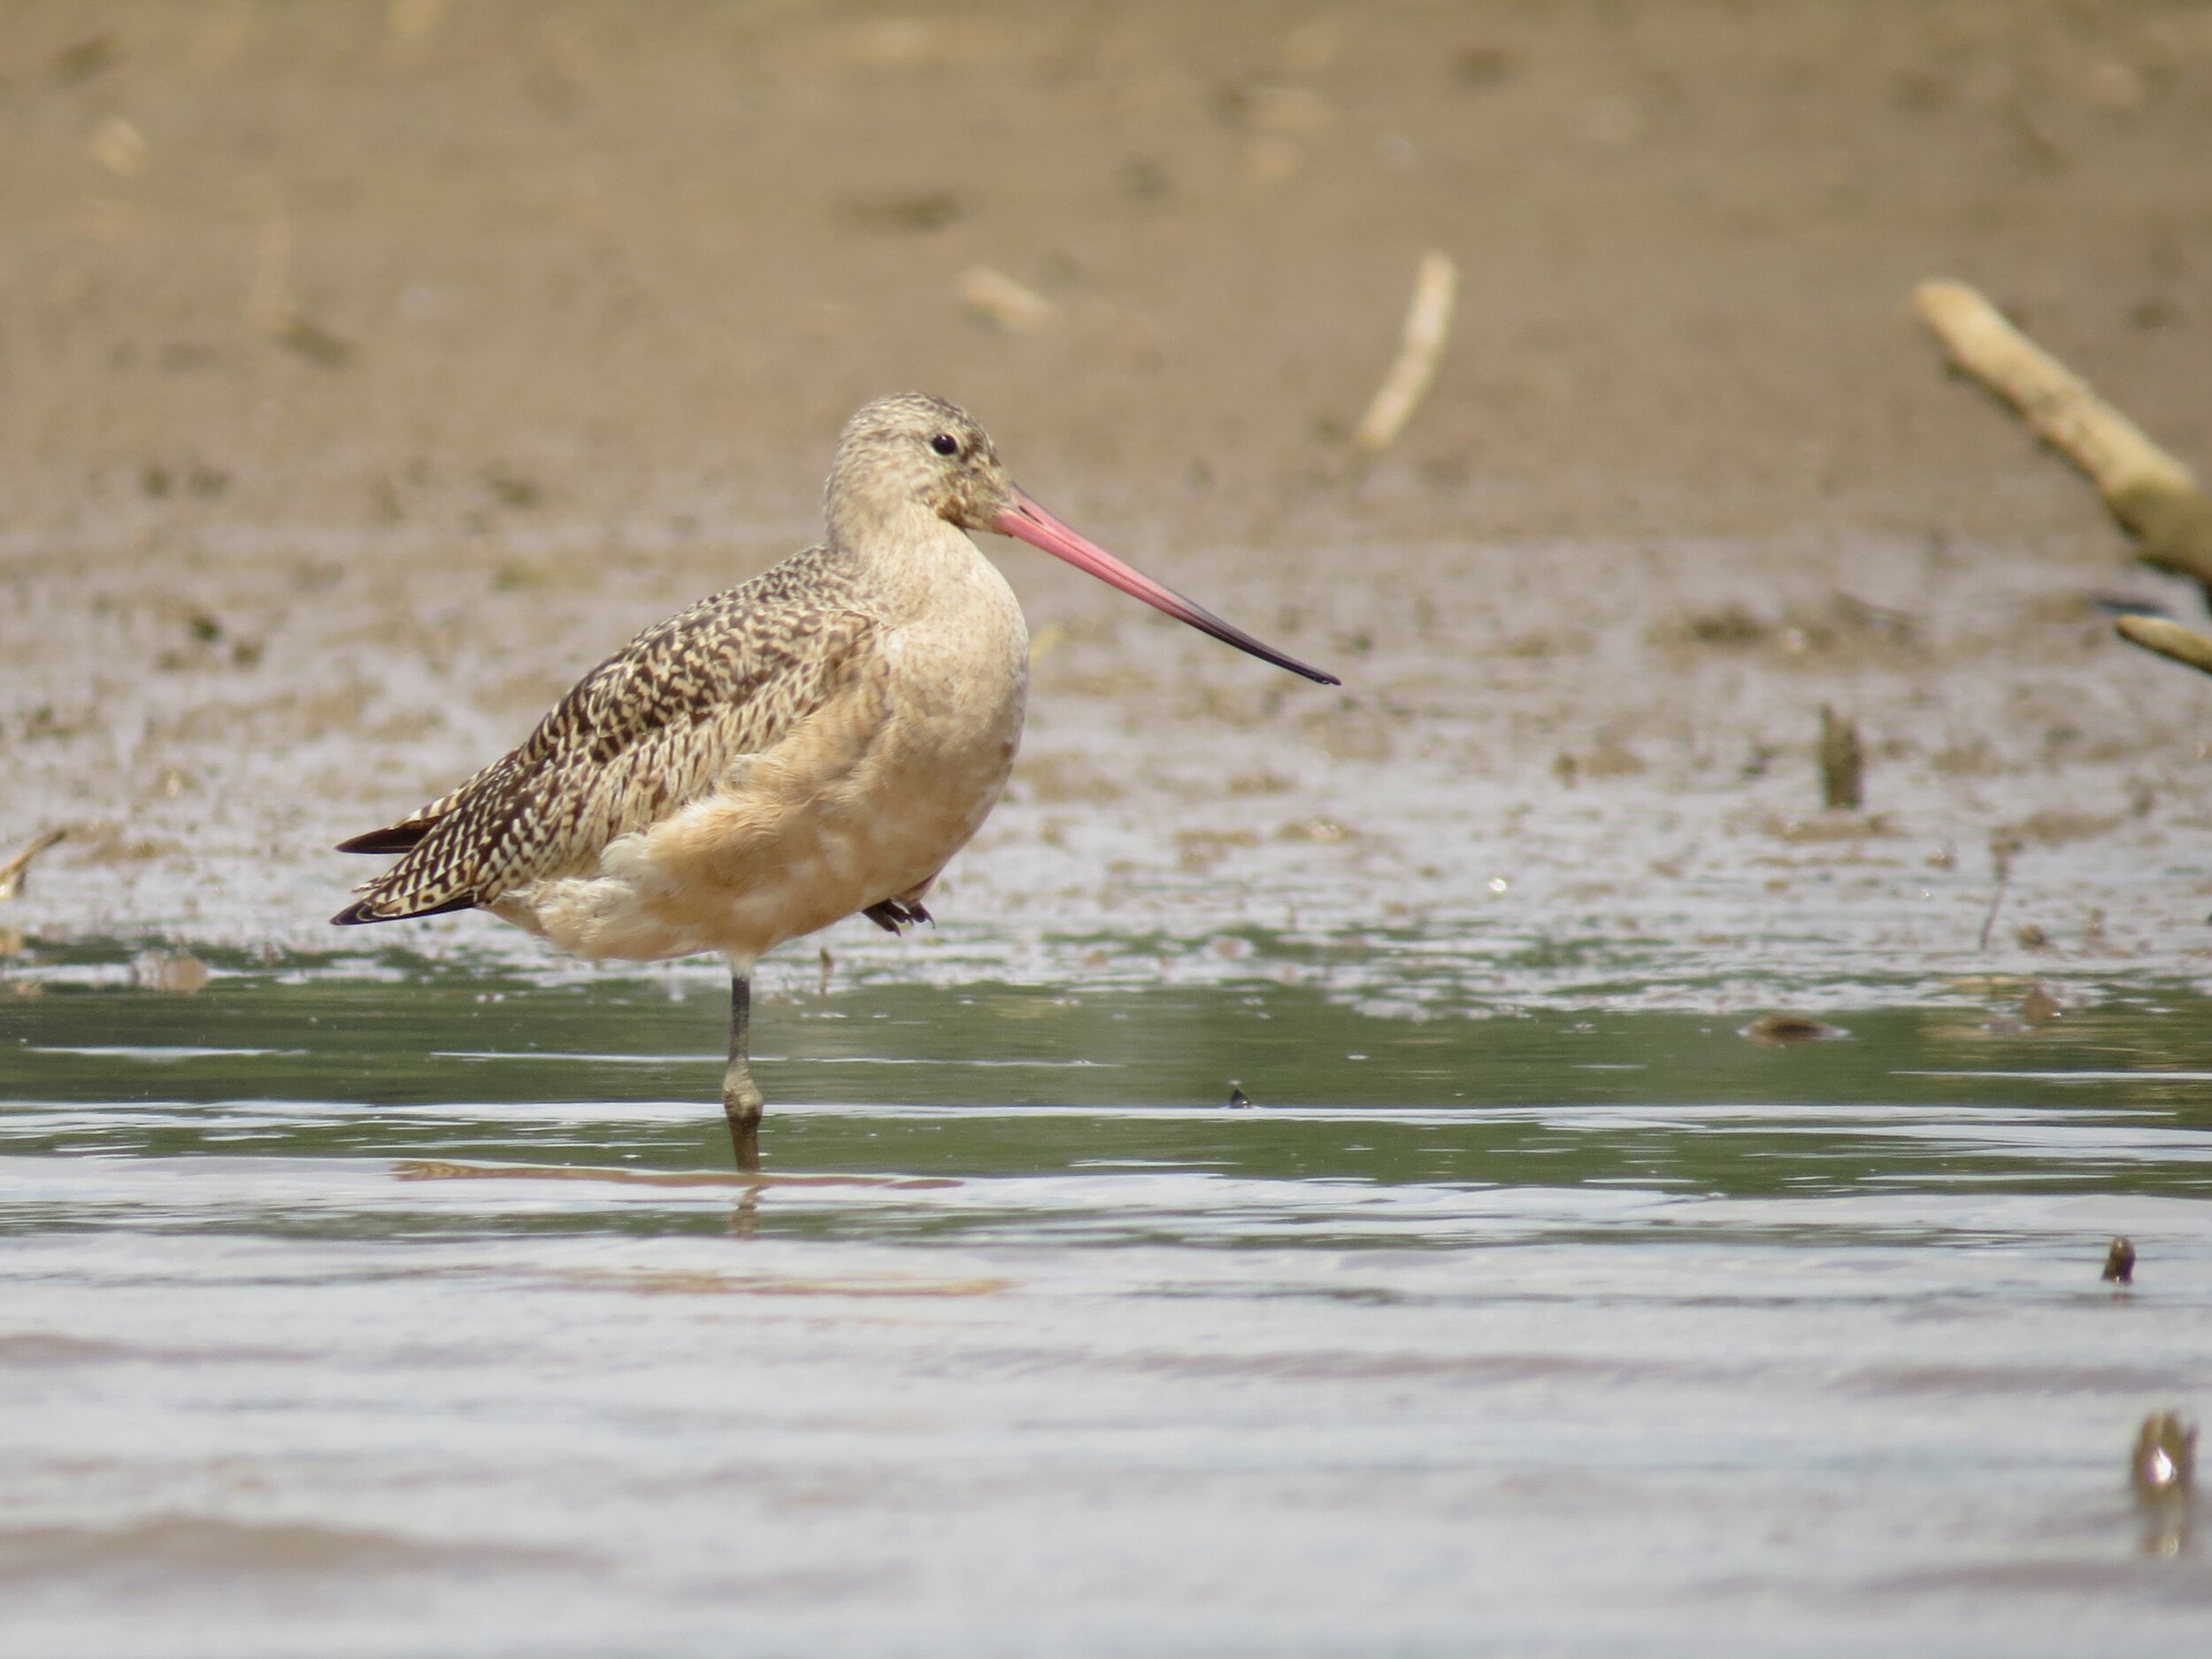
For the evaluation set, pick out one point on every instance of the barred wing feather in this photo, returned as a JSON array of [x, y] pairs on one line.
[[660, 724]]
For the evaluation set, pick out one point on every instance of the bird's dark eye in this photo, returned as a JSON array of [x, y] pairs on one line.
[[945, 443]]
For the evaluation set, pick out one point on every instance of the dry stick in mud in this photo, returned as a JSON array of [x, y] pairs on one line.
[[2168, 638], [1842, 763], [2154, 496], [13, 872], [1428, 324]]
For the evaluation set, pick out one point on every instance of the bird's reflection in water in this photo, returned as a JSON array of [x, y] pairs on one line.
[[745, 1218], [441, 1170], [744, 1215]]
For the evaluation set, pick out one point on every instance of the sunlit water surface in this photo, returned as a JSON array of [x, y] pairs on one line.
[[421, 1316]]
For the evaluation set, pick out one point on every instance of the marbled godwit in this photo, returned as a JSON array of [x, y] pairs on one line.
[[813, 744]]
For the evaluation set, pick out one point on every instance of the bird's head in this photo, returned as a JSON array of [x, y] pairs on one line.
[[914, 451]]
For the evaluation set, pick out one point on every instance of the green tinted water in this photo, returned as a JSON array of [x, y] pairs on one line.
[[1598, 1331]]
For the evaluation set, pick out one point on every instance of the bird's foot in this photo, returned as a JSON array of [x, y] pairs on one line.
[[742, 1104], [895, 914]]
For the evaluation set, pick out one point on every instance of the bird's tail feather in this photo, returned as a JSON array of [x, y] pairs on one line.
[[400, 838]]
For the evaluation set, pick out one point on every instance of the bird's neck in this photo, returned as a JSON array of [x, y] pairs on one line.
[[901, 556]]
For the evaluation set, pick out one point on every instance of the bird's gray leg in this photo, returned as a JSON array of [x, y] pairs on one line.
[[741, 1099]]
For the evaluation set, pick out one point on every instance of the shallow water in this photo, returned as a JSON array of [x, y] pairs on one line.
[[421, 1316]]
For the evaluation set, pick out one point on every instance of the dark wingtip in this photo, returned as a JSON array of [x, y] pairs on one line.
[[358, 913], [398, 838]]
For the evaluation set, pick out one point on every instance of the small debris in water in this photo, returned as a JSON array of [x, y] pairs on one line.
[[177, 973], [1842, 763], [2119, 1263], [1775, 1030], [2165, 1458], [2038, 1007], [1315, 829], [1237, 1096]]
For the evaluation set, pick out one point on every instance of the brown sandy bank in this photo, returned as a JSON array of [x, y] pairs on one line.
[[367, 372]]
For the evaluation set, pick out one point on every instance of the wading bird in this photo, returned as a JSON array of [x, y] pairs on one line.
[[813, 744]]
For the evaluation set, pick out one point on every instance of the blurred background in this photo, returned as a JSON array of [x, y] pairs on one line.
[[369, 370]]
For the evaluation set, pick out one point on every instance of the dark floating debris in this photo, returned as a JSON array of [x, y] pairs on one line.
[[1237, 1096], [1775, 1030], [2119, 1263]]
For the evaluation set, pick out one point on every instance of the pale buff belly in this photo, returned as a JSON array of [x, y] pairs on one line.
[[866, 801]]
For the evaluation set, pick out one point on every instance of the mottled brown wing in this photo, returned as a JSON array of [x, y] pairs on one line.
[[654, 728]]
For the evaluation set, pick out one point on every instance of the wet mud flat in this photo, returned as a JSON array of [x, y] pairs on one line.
[[1611, 1332], [391, 370], [1517, 799]]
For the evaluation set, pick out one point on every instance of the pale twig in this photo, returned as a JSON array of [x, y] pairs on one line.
[[1428, 323], [996, 297], [2168, 638], [12, 874], [2153, 495]]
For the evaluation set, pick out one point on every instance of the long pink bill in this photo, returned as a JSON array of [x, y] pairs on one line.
[[1030, 523]]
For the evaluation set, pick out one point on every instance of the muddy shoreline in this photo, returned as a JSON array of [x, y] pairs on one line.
[[385, 377]]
